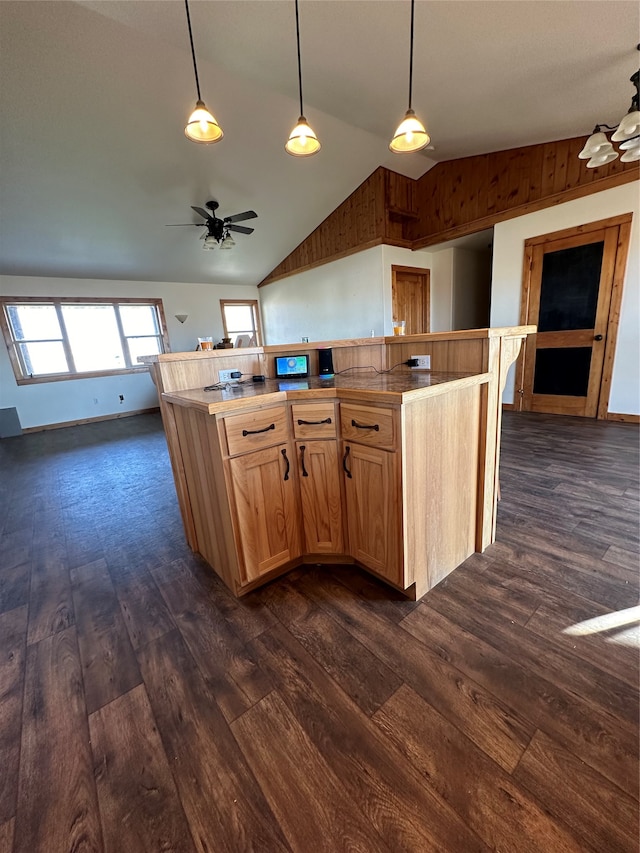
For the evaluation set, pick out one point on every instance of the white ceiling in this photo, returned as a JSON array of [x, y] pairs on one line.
[[95, 96]]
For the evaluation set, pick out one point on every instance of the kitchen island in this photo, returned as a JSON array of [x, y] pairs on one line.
[[395, 471]]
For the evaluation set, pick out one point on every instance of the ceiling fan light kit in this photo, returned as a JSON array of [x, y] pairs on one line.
[[598, 150], [302, 140], [201, 126], [218, 233], [411, 134]]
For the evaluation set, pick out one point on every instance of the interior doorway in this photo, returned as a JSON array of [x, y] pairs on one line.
[[410, 298], [572, 291]]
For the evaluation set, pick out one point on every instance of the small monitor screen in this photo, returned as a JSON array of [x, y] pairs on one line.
[[294, 366]]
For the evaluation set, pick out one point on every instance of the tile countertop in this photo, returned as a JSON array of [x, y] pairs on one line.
[[399, 387]]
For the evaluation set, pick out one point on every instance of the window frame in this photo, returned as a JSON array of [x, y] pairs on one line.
[[255, 309], [57, 302]]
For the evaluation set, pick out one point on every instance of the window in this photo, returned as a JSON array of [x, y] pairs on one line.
[[68, 338], [241, 322]]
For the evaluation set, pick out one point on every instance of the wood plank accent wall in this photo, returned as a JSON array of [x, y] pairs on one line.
[[378, 211], [455, 198], [459, 197]]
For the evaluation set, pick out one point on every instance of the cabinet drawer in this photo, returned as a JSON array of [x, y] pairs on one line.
[[314, 420], [368, 425], [253, 430]]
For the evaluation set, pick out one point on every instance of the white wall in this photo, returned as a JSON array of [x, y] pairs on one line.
[[341, 299], [59, 402], [508, 254], [442, 290]]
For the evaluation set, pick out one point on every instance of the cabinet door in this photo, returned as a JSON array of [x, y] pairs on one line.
[[266, 509], [374, 513], [319, 479]]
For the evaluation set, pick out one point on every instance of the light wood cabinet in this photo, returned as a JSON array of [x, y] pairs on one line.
[[267, 517], [320, 497], [374, 516]]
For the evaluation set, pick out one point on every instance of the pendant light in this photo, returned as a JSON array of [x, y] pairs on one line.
[[599, 151], [302, 140], [201, 126], [411, 134]]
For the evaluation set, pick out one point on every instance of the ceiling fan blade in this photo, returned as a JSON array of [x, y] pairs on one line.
[[240, 229], [202, 212], [240, 217], [186, 225]]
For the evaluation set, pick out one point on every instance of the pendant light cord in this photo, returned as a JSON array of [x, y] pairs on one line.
[[410, 55], [299, 63], [193, 53]]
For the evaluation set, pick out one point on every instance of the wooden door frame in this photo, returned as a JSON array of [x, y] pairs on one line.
[[396, 268], [623, 224]]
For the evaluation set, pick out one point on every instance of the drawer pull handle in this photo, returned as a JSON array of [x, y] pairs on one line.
[[303, 447], [376, 427], [314, 423], [286, 459], [246, 432], [344, 462]]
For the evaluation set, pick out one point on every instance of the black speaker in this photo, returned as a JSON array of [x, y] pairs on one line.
[[325, 362]]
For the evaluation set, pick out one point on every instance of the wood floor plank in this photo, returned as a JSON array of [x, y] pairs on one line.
[[359, 673], [480, 791], [540, 654], [109, 664], [139, 803], [622, 557], [143, 608], [15, 575], [6, 836], [495, 727], [597, 739], [220, 654], [599, 813], [50, 603], [13, 631], [405, 811], [309, 801], [57, 806], [225, 807]]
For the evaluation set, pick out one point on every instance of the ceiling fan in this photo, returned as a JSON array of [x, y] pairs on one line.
[[218, 231]]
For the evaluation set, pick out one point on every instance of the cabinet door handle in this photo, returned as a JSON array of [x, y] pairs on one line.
[[303, 447], [344, 462], [246, 432], [364, 426], [314, 423], [597, 337], [286, 459]]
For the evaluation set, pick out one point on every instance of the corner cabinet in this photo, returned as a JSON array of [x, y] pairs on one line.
[[373, 488]]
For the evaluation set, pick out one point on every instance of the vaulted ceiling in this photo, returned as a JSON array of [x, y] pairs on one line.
[[95, 95]]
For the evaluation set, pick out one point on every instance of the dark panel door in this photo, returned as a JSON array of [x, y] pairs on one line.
[[569, 299]]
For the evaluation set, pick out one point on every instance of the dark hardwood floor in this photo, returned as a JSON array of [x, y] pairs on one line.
[[143, 708]]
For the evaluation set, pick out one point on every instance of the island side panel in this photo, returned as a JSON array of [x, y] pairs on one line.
[[205, 478], [442, 439]]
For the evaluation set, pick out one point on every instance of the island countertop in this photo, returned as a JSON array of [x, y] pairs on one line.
[[401, 387]]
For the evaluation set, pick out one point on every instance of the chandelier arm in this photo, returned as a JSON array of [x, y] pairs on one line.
[[410, 55], [299, 63], [193, 53]]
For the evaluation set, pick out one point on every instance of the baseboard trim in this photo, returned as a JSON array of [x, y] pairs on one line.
[[625, 419], [81, 421], [508, 407]]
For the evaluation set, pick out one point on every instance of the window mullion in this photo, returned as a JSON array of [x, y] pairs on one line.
[[124, 341], [71, 364]]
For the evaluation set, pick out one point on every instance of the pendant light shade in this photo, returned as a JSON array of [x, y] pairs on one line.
[[628, 127], [302, 140], [597, 143], [201, 126], [411, 134]]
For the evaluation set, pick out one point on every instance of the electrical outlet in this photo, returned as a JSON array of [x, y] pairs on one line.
[[225, 376], [424, 362]]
